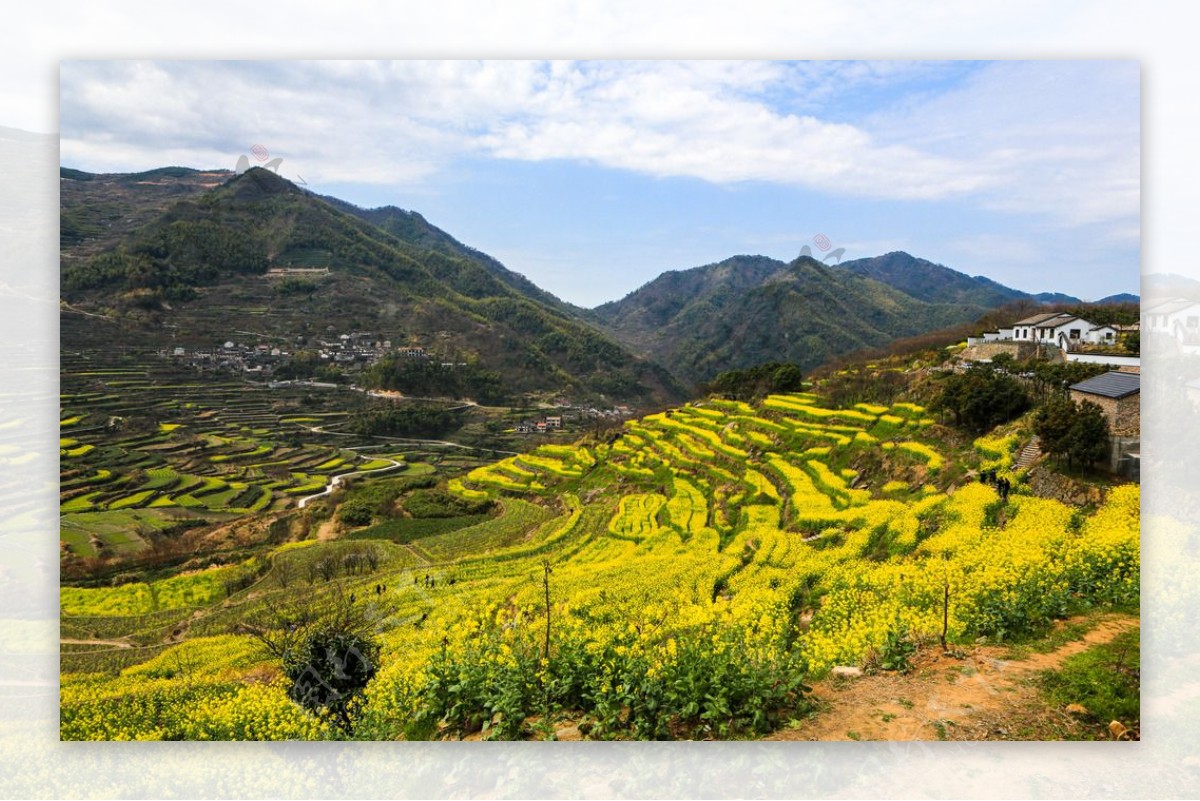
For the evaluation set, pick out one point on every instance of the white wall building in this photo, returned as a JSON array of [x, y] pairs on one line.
[[1063, 330]]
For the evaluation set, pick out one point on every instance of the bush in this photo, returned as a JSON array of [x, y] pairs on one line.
[[327, 648], [439, 503], [757, 382], [356, 513], [329, 669], [627, 686]]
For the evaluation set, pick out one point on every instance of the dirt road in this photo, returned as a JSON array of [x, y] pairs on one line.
[[978, 696]]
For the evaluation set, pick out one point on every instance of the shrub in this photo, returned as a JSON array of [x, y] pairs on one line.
[[329, 669], [355, 513]]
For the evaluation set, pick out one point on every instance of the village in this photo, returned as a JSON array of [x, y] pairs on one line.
[[351, 354], [1064, 338]]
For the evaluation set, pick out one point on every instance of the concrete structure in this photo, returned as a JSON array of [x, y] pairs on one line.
[[983, 350], [1127, 364]]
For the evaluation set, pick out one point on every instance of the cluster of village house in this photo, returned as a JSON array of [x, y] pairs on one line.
[[345, 350], [362, 349], [568, 415], [1067, 332], [1174, 322], [1063, 336]]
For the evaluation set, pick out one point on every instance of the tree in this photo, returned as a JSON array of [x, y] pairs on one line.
[[1052, 424], [1088, 442], [329, 668], [1078, 432], [1133, 342], [328, 650], [982, 398], [1005, 362]]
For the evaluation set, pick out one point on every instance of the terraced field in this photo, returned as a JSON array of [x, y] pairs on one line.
[[681, 579], [151, 446]]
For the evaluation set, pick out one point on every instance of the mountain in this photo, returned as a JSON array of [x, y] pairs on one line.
[[411, 227], [97, 210], [752, 309], [1124, 297], [660, 301], [199, 259], [932, 283], [1050, 298]]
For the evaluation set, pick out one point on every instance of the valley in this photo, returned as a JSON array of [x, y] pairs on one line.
[[684, 575], [328, 473]]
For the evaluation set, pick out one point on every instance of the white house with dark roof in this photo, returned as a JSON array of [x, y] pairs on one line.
[[1025, 330], [1063, 330]]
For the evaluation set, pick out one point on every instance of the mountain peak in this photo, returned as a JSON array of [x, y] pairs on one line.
[[257, 183], [931, 282]]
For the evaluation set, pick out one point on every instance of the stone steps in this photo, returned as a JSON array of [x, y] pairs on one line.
[[1029, 454]]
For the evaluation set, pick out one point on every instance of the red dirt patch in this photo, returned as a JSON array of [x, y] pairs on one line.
[[976, 694]]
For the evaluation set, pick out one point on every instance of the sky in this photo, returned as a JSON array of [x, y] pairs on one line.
[[593, 177]]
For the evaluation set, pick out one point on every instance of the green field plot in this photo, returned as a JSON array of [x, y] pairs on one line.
[[180, 592], [408, 529]]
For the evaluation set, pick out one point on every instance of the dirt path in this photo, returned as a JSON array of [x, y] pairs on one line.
[[980, 696], [326, 531], [421, 558], [109, 643]]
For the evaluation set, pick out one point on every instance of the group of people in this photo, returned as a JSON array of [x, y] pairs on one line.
[[1003, 485], [430, 582]]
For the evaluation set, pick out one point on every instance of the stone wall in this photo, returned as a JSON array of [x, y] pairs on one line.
[[1021, 351], [1124, 415]]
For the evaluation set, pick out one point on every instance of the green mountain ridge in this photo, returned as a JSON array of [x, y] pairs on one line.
[[409, 226], [201, 266], [753, 309], [172, 236], [933, 283]]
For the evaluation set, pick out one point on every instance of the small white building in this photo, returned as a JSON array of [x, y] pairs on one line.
[[1063, 330], [1101, 335]]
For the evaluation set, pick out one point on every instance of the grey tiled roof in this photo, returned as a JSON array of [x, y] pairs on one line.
[[1037, 318], [1111, 385], [1055, 322]]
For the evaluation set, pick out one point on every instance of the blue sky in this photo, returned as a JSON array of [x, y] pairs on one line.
[[591, 178]]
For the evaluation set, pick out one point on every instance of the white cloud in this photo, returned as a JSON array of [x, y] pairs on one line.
[[1057, 139], [1054, 139], [708, 120]]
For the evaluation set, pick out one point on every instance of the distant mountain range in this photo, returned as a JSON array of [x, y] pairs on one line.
[[751, 309], [192, 249]]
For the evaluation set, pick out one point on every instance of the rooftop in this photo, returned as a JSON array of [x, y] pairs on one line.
[[1057, 320], [1112, 384], [1037, 318]]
